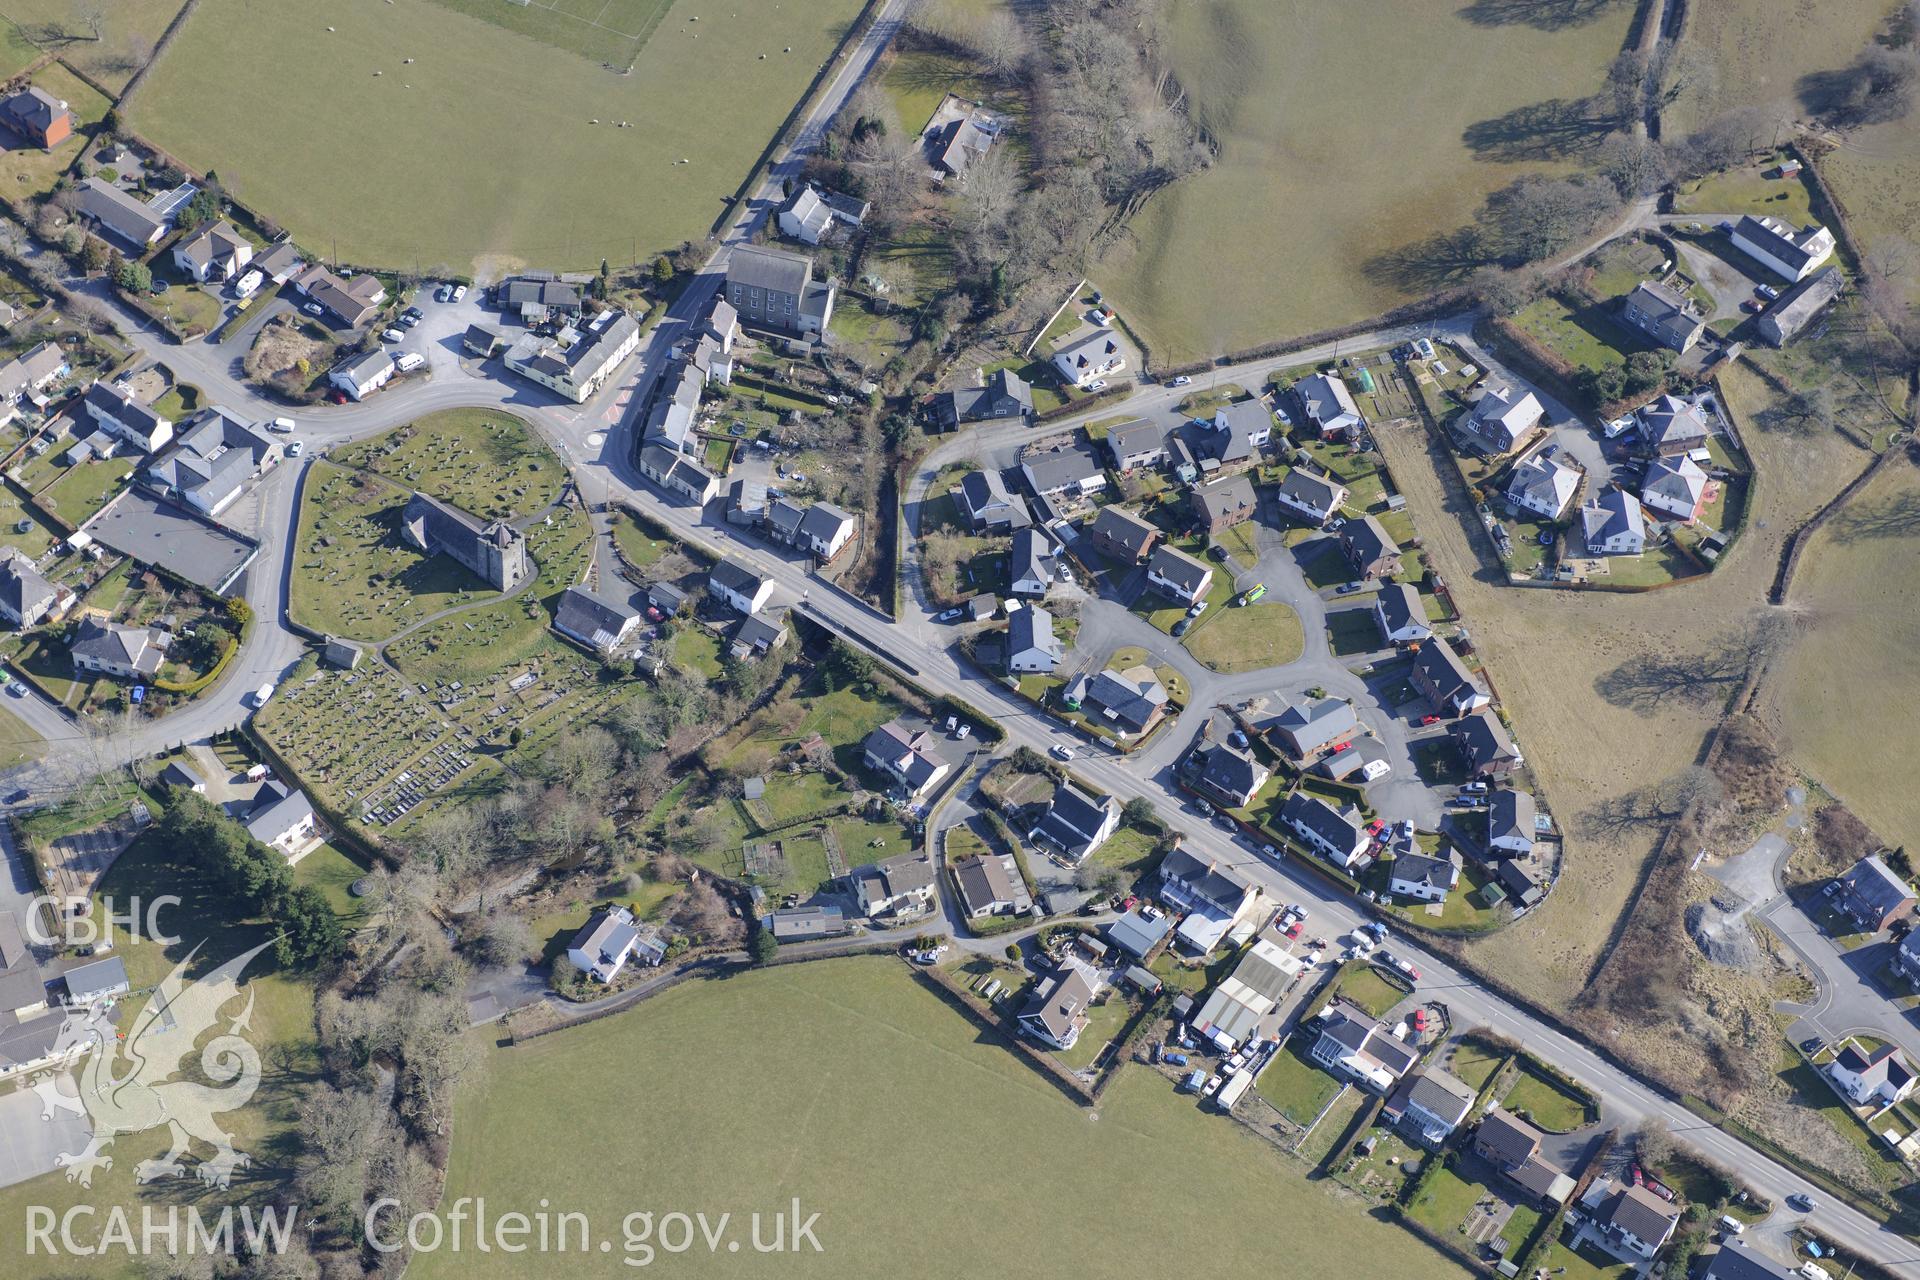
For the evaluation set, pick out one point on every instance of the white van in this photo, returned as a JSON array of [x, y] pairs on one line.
[[409, 362], [261, 695], [282, 425], [1732, 1225]]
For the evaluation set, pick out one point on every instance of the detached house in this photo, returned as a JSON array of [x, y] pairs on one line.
[[1313, 498], [1675, 487], [898, 887], [1004, 395], [811, 213], [1137, 444], [1223, 504], [1230, 776], [1872, 896], [25, 596], [611, 938], [131, 653], [1543, 485], [1310, 728], [1122, 536], [282, 818], [602, 625], [1613, 525], [1240, 430], [1431, 1104], [1030, 568], [215, 252], [990, 885], [1091, 358], [1877, 1079], [1216, 899], [1031, 644], [37, 116], [1329, 406], [1423, 877], [1512, 1146], [743, 589], [1057, 1010], [1073, 470], [352, 300], [361, 376], [1178, 575], [1369, 550], [120, 415], [1401, 614], [775, 290], [1076, 824], [1130, 701], [906, 756], [1443, 679], [1485, 746], [1333, 834], [132, 221], [1510, 823], [1501, 418], [1631, 1220], [983, 496], [1669, 426], [1663, 315], [1794, 253], [1354, 1044]]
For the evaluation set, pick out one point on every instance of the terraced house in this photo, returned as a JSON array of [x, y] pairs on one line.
[[577, 362]]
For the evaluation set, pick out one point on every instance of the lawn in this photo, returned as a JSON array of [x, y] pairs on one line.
[[1248, 638], [1351, 631], [352, 574], [1586, 1264], [696, 649], [848, 1032], [1273, 84], [489, 463], [1546, 1102], [1438, 762], [515, 123], [1104, 1023], [39, 535], [1749, 189], [1129, 849], [1295, 1087], [280, 1027], [84, 489], [18, 743], [1474, 1062], [1362, 984], [1444, 1202], [1581, 333], [331, 869]]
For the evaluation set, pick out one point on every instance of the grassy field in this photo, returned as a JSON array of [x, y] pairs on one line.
[[125, 43], [1267, 634], [606, 31], [1589, 748], [483, 461], [352, 575], [485, 134], [1876, 174], [1759, 49], [851, 1032], [1294, 91], [1849, 675]]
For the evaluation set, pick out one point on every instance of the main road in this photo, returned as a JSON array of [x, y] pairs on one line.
[[597, 441]]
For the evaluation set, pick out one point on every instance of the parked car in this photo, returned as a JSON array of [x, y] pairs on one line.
[[1429, 719], [949, 615], [1473, 788], [459, 292], [314, 309], [1197, 608], [1181, 627], [392, 335], [1346, 588], [1177, 1059], [1238, 738], [1097, 385], [1766, 291], [1217, 551], [443, 293], [1060, 753], [1182, 381], [283, 426]]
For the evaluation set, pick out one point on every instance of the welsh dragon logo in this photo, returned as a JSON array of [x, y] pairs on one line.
[[129, 1086]]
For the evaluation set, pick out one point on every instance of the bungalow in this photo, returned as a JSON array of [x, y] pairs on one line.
[[1670, 425], [1329, 406], [1422, 876], [1223, 504], [1675, 486], [1314, 498], [811, 213], [352, 300], [1131, 701], [1794, 253], [601, 624], [131, 653], [1031, 644], [25, 596], [1872, 896], [1137, 444], [282, 818], [37, 116], [1074, 469], [1334, 834], [1239, 431], [611, 938], [1501, 418], [1401, 614], [1136, 935], [1004, 394], [989, 508], [281, 263], [1799, 305], [361, 376], [1308, 729], [1877, 1079], [1030, 569], [1512, 1146], [1629, 1219], [1510, 823], [1057, 1010], [1613, 525], [1431, 1104], [120, 415], [215, 252], [1664, 315], [757, 634], [1178, 575], [744, 589], [1216, 898], [108, 207], [1444, 680], [804, 924], [1075, 823], [1121, 535], [1230, 776], [177, 774], [1089, 359], [1735, 1261], [1352, 1043], [905, 754], [1241, 1002], [825, 530], [1542, 484], [677, 473], [898, 887], [96, 980], [1369, 550], [1485, 746], [990, 885]]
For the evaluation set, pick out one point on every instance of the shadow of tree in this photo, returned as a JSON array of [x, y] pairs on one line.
[[1544, 15], [1556, 129], [1646, 684], [1433, 263], [1897, 517]]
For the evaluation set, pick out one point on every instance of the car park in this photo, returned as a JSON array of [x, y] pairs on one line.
[[459, 293]]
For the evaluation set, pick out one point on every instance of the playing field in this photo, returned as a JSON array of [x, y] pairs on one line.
[[417, 136], [1850, 678], [1340, 130], [927, 1148]]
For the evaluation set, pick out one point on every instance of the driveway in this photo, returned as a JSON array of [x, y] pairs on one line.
[[1851, 999]]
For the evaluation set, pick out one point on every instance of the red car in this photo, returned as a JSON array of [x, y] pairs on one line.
[[1341, 747], [1293, 930], [1429, 719], [1375, 827]]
